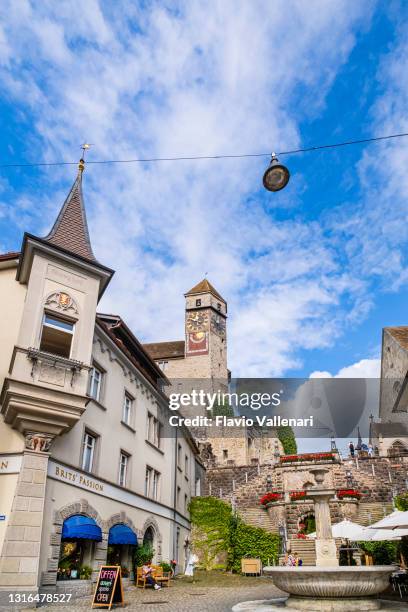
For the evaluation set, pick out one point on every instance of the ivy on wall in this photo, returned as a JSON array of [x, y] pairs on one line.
[[249, 541], [222, 409], [288, 440], [221, 539], [401, 502]]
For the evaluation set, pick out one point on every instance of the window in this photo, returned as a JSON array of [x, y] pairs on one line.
[[179, 455], [225, 454], [152, 482], [56, 335], [88, 452], [153, 430], [198, 303], [185, 502], [95, 383], [163, 365], [127, 409], [123, 468], [197, 487], [218, 306], [186, 466], [178, 496]]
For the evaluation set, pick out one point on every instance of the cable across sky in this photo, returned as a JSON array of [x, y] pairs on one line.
[[206, 157]]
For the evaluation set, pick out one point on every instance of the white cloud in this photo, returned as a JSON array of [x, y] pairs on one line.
[[365, 368], [187, 81]]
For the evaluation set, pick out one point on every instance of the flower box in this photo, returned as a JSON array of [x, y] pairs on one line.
[[270, 498], [353, 493], [298, 495], [308, 457]]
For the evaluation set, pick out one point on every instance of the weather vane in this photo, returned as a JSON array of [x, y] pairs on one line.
[[85, 146]]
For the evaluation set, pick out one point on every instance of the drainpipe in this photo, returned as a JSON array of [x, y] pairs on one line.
[[175, 498]]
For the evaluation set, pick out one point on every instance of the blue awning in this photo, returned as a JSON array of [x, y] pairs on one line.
[[122, 534], [78, 527]]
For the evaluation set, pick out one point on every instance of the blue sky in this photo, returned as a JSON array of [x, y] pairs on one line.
[[311, 274]]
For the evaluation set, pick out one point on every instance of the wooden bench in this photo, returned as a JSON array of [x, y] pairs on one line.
[[158, 574]]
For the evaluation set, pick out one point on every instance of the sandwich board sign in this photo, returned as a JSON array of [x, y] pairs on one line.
[[109, 588]]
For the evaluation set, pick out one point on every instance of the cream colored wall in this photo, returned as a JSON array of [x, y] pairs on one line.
[[10, 316], [48, 276], [8, 483], [104, 419]]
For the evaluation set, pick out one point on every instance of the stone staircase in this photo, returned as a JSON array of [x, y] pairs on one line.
[[306, 550], [257, 517], [369, 513]]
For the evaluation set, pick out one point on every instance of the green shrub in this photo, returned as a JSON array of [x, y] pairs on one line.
[[383, 553], [143, 554], [218, 531], [252, 541], [222, 409], [166, 566], [288, 440], [401, 502], [85, 572]]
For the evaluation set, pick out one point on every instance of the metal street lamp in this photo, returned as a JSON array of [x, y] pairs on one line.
[[276, 175]]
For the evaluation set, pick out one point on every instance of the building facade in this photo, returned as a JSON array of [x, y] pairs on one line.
[[389, 435], [88, 469]]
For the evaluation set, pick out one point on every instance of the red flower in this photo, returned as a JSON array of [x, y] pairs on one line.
[[307, 457], [270, 498], [294, 495], [348, 493]]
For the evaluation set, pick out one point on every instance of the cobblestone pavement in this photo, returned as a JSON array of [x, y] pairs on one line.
[[182, 598]]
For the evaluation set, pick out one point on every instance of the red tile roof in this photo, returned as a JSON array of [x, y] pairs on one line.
[[165, 350], [204, 286], [9, 256]]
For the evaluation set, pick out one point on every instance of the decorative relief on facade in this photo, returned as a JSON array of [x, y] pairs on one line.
[[37, 442], [62, 301], [52, 374]]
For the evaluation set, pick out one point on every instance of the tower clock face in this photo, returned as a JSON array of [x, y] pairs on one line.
[[197, 321], [218, 325]]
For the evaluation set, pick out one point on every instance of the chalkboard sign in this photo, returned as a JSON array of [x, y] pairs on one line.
[[109, 589]]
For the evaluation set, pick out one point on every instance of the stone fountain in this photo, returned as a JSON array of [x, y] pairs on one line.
[[326, 587]]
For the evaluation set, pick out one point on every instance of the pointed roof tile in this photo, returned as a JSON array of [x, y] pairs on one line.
[[204, 286], [70, 230]]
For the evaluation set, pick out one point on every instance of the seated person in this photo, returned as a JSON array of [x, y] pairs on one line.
[[147, 571]]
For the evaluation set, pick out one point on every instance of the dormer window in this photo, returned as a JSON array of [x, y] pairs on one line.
[[198, 303], [56, 335]]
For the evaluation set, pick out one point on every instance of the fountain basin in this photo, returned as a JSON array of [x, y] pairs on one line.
[[341, 581]]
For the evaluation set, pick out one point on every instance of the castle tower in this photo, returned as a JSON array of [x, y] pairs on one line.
[[206, 332], [203, 353]]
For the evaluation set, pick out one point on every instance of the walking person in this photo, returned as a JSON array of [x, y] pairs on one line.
[[351, 449]]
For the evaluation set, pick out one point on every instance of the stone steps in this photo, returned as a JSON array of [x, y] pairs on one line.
[[369, 513], [257, 517]]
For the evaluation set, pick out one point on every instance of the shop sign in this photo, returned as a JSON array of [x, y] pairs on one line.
[[109, 588], [10, 464]]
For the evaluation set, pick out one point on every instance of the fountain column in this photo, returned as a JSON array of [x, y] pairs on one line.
[[326, 552]]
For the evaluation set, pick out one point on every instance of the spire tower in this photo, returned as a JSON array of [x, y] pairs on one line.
[[70, 230]]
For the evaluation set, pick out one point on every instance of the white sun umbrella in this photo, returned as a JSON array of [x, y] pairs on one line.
[[381, 535], [347, 530], [395, 520]]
